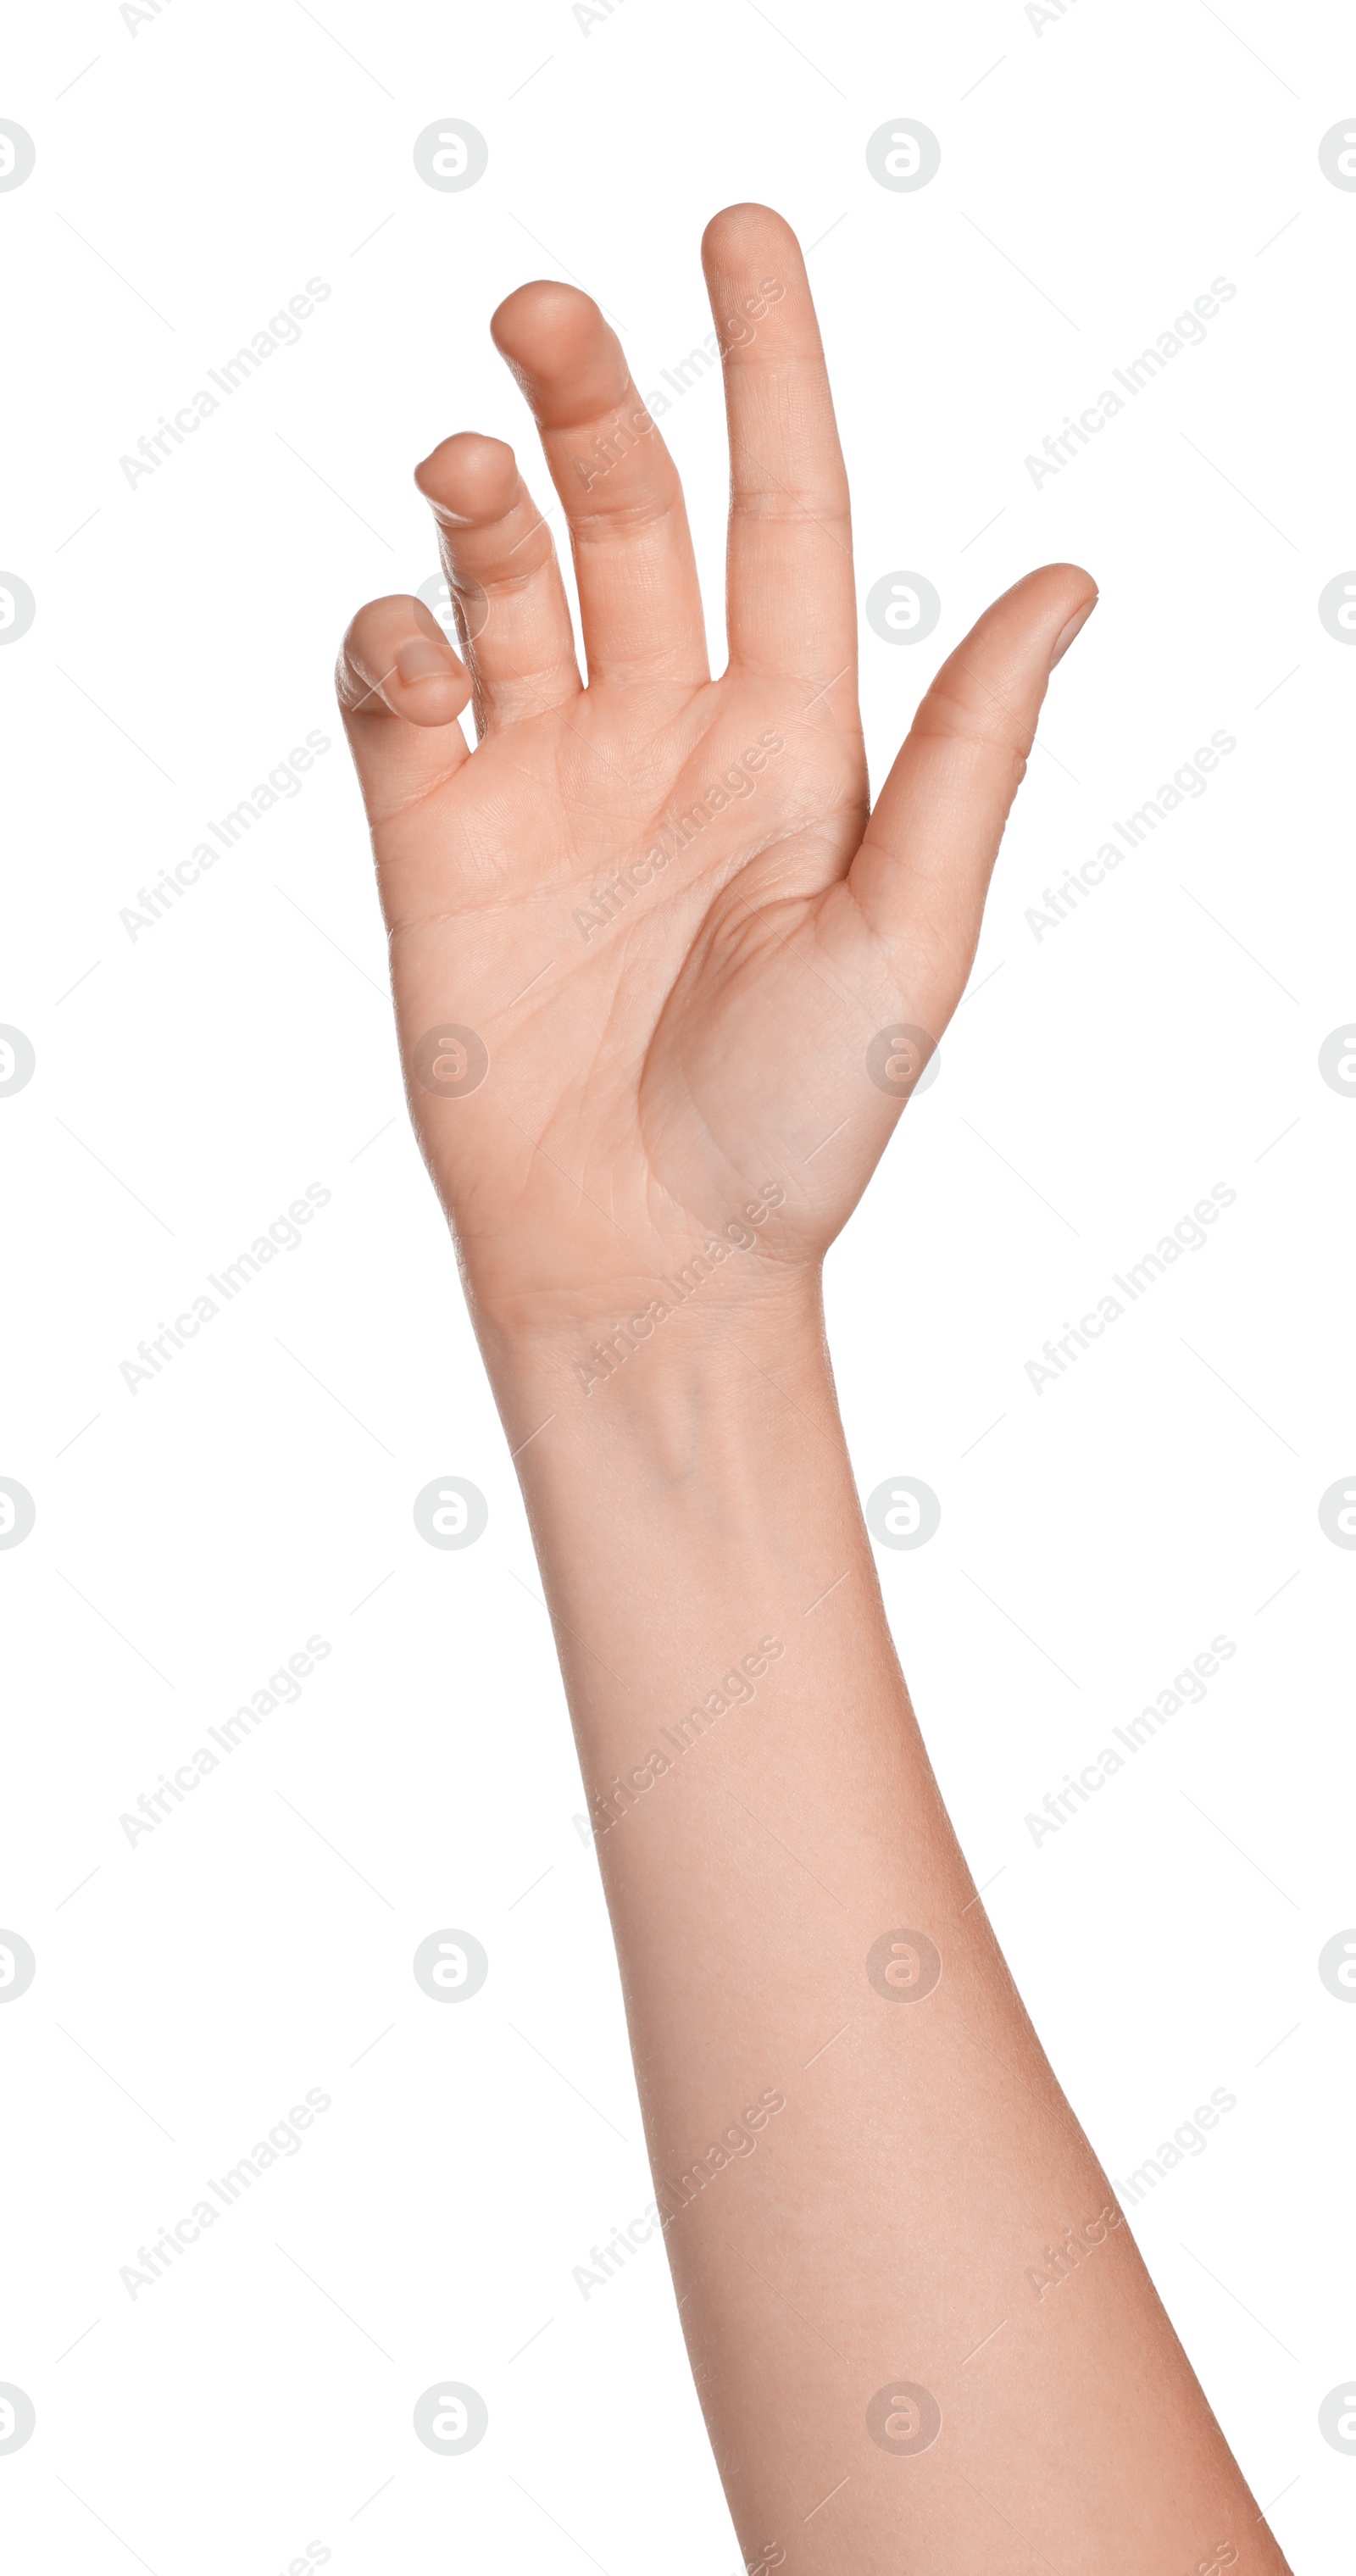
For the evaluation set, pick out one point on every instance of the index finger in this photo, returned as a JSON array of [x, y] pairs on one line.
[[791, 609]]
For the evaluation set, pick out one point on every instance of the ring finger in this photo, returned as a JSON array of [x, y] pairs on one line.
[[504, 578]]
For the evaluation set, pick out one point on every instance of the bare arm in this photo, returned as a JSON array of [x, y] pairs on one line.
[[915, 2314], [663, 984]]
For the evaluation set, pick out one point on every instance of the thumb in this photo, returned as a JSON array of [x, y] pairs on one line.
[[923, 869]]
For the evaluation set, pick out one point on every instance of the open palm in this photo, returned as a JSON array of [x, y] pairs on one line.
[[663, 980]]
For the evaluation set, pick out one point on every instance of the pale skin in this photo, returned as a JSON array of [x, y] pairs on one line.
[[919, 2228]]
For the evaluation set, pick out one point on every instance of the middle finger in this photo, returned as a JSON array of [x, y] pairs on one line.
[[639, 599]]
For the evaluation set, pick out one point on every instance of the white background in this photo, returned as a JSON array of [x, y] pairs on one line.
[[1097, 173]]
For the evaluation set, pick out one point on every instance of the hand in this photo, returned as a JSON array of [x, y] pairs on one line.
[[660, 902]]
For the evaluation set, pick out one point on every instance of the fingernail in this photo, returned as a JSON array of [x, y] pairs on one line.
[[1067, 633], [419, 658]]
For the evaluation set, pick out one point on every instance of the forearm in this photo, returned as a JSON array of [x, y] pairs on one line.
[[889, 2220]]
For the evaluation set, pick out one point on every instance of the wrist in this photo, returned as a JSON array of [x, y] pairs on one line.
[[671, 1371]]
